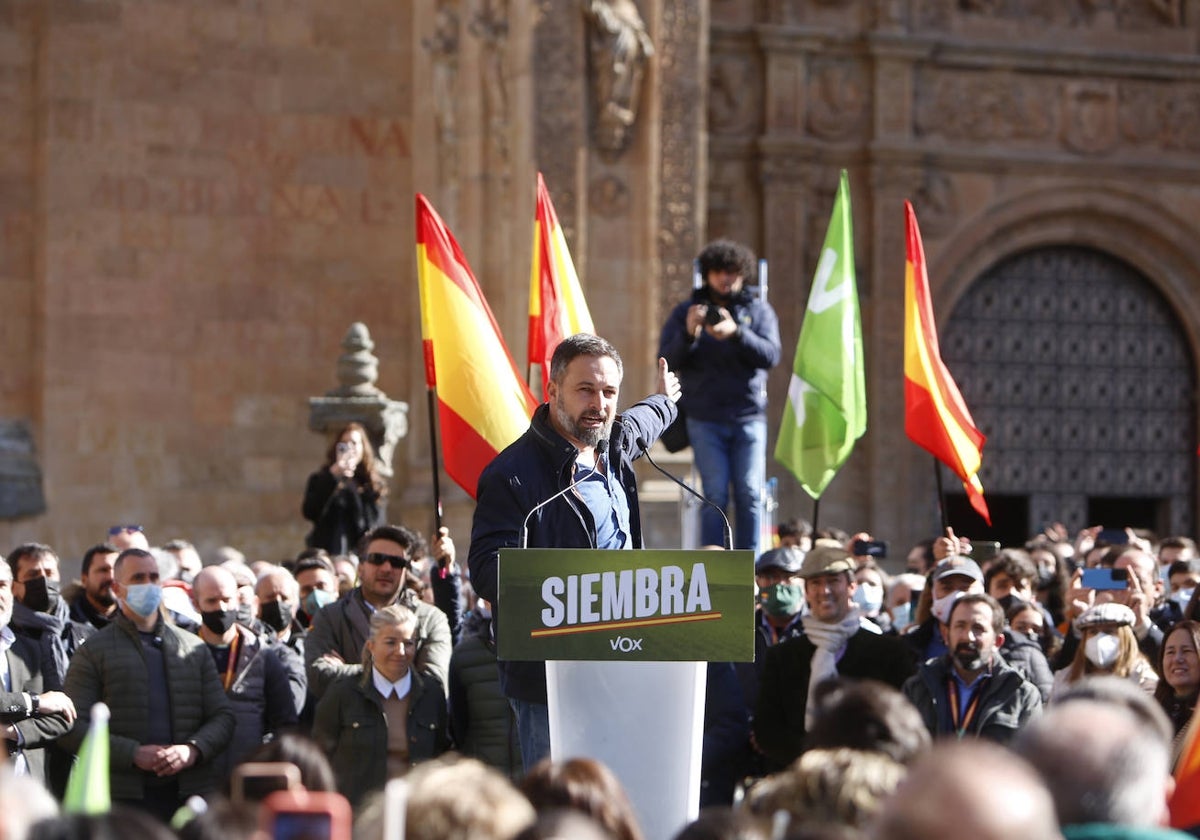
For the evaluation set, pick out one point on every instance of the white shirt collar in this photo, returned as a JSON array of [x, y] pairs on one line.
[[386, 687], [7, 638]]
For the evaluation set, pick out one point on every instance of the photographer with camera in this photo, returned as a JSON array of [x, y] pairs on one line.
[[721, 343], [344, 498]]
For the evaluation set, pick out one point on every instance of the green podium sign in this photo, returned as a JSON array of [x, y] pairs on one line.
[[646, 605]]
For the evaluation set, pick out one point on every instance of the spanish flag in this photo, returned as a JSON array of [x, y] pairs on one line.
[[483, 405], [557, 308], [935, 416]]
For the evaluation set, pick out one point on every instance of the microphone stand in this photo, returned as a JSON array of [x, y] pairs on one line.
[[641, 442]]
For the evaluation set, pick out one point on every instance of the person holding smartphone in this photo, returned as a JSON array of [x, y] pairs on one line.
[[344, 499]]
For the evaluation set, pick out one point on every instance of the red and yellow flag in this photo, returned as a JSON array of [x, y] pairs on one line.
[[557, 308], [483, 405], [1185, 801], [935, 416]]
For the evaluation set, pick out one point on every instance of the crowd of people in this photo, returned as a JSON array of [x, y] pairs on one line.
[[856, 709], [1044, 690]]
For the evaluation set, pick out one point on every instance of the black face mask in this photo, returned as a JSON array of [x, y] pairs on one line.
[[277, 615], [1007, 601], [41, 595], [244, 614], [219, 621]]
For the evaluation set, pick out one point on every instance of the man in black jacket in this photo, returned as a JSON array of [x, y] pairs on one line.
[[972, 690], [576, 437]]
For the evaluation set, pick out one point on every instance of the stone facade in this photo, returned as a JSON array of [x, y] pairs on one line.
[[197, 200]]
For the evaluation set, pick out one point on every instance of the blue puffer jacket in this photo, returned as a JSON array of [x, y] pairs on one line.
[[530, 471], [723, 380]]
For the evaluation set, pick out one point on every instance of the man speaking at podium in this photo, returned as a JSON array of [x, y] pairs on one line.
[[569, 481]]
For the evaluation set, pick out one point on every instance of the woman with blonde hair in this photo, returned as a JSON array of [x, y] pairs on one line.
[[344, 498], [376, 725], [1108, 646]]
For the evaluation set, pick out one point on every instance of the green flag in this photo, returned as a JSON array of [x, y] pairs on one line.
[[88, 787], [826, 409]]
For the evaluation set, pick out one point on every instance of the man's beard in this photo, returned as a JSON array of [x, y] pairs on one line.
[[969, 659], [105, 597], [586, 436]]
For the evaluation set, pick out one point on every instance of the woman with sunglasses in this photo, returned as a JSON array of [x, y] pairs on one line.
[[344, 499], [378, 724]]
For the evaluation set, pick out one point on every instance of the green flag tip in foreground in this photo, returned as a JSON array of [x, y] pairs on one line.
[[826, 409], [88, 789]]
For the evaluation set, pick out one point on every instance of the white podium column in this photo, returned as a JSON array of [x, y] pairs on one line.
[[645, 721]]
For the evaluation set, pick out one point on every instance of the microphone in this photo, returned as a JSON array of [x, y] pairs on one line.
[[524, 538], [641, 442]]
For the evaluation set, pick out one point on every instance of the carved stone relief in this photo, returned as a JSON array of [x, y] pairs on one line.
[[1090, 117], [837, 98], [443, 49], [1128, 15], [981, 108], [734, 95], [559, 107], [1160, 116], [490, 26], [618, 48], [681, 126]]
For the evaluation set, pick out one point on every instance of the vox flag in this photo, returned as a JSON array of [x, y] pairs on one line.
[[557, 308], [826, 409], [88, 789], [483, 404], [935, 416]]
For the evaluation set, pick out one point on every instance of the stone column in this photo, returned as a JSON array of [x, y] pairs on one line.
[[358, 400]]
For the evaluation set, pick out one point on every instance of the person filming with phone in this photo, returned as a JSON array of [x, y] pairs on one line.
[[344, 499]]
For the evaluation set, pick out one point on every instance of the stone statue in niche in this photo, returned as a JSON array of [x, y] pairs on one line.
[[618, 49]]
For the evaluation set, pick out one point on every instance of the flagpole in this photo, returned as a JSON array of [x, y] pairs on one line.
[[941, 494], [431, 402], [816, 512]]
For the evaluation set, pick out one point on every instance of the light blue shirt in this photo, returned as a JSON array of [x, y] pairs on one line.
[[605, 498]]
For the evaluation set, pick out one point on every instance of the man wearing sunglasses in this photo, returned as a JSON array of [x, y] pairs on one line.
[[335, 640]]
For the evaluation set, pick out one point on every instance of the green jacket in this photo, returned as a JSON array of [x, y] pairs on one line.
[[351, 728], [111, 668]]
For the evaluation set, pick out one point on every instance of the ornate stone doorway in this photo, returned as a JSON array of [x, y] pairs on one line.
[[1079, 373]]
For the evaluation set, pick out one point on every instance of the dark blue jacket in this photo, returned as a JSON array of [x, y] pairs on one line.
[[723, 380], [530, 471]]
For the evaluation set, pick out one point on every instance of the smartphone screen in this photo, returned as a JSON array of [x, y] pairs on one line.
[[297, 825], [1105, 579]]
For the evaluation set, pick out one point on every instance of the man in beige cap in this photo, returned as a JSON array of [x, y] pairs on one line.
[[837, 641]]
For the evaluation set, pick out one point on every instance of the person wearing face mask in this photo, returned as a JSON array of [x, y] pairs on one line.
[[838, 641], [170, 717], [278, 595], [251, 668], [869, 596], [317, 582], [41, 614], [950, 580], [1108, 646]]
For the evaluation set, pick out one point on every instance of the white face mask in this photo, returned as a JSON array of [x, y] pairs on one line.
[[869, 597], [1102, 649], [1182, 597], [941, 606]]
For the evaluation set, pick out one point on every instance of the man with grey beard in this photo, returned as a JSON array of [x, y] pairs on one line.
[[576, 438]]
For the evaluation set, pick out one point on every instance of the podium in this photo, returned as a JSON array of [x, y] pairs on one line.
[[626, 637]]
